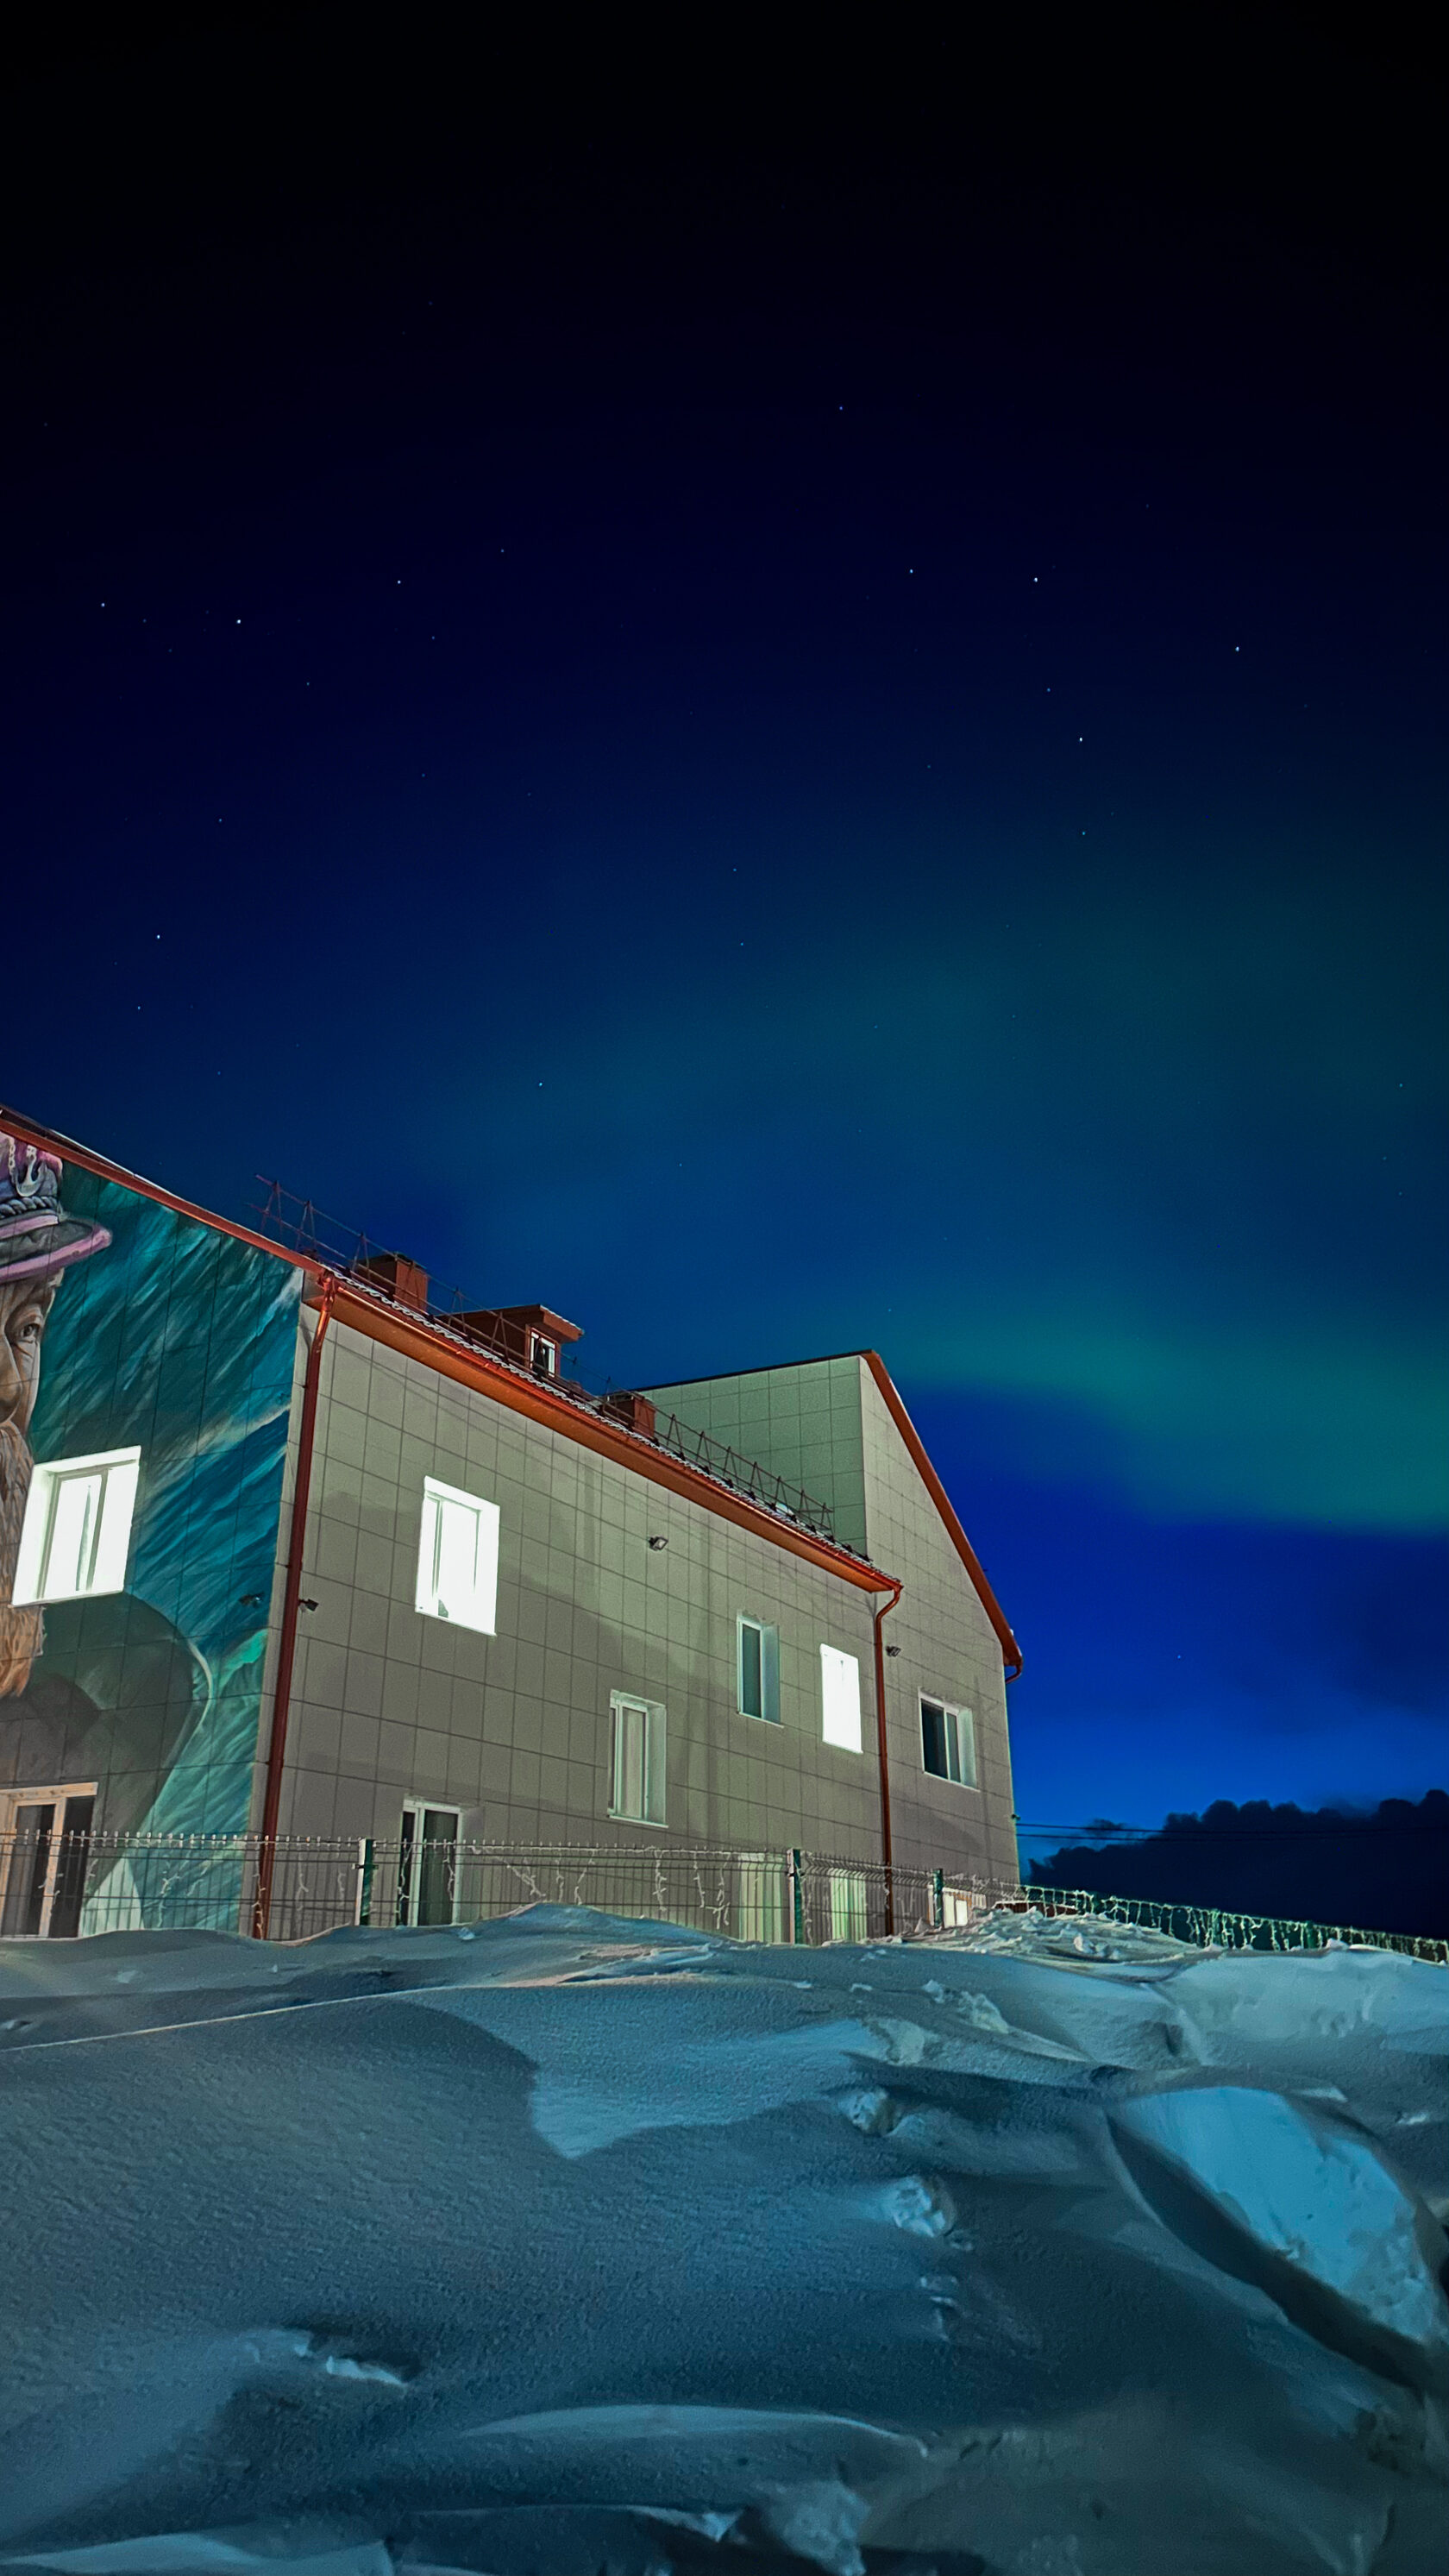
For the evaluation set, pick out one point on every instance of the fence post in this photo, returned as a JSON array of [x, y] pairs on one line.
[[798, 1897], [364, 1879], [938, 1898]]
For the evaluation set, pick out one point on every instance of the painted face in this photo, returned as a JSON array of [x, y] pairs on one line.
[[25, 1305]]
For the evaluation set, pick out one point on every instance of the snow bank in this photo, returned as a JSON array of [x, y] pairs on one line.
[[565, 2243]]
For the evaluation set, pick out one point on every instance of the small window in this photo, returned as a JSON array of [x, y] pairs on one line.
[[948, 1742], [45, 1840], [76, 1535], [840, 1699], [759, 1670], [848, 1920], [638, 1785], [542, 1355], [458, 1558], [427, 1863]]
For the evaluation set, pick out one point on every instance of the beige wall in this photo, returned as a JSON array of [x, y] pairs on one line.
[[516, 1729], [825, 1424]]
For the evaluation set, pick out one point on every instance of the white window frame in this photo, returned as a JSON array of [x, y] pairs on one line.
[[478, 1605], [956, 1718], [419, 1808], [542, 1345], [840, 1699], [762, 1897], [624, 1705], [849, 1905], [105, 1538], [768, 1712]]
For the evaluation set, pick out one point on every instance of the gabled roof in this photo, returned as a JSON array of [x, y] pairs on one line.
[[1010, 1650]]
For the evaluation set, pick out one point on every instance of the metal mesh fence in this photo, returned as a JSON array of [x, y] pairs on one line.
[[65, 1884]]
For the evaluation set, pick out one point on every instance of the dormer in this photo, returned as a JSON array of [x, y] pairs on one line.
[[533, 1336]]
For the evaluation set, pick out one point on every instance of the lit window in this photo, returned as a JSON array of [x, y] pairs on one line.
[[840, 1699], [638, 1791], [458, 1558], [758, 1656], [427, 1863], [847, 1905], [948, 1742], [77, 1530]]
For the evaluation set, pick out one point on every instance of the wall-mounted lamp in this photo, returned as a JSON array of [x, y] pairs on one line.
[[893, 1650], [306, 1605], [657, 1543]]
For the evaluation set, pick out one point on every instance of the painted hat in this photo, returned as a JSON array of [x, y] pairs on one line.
[[36, 1235]]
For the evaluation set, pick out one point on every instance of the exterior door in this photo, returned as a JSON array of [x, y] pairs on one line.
[[427, 1867], [44, 1846]]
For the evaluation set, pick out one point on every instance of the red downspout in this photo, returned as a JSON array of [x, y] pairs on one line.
[[287, 1644], [885, 1778]]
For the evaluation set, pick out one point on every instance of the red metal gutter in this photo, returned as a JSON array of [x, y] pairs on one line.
[[884, 1612], [538, 1398], [291, 1599], [1010, 1650]]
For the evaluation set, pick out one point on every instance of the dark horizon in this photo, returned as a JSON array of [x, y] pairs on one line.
[[796, 710]]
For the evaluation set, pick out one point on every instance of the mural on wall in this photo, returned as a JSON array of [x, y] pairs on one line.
[[146, 1367]]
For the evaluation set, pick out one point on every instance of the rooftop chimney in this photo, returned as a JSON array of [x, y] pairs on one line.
[[397, 1277], [635, 1411]]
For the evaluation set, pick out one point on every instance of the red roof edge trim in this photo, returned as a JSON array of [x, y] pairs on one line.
[[31, 1132], [429, 1340], [905, 1426]]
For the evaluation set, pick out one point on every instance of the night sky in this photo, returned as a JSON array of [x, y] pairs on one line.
[[794, 702]]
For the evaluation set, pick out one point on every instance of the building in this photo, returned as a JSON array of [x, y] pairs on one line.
[[283, 1549]]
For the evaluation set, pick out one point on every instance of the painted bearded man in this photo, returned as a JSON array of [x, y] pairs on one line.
[[38, 1243], [99, 1691]]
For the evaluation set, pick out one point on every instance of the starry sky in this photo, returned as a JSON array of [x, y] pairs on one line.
[[791, 704]]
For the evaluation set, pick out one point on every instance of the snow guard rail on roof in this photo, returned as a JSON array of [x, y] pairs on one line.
[[308, 1230]]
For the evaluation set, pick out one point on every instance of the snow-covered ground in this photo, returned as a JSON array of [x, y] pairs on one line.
[[564, 2244]]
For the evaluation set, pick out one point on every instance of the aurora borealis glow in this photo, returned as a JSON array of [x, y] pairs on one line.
[[808, 730]]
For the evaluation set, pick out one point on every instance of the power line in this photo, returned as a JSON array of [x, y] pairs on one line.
[[1204, 1833]]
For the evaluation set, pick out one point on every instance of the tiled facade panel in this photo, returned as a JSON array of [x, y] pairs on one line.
[[803, 1422], [949, 1651], [516, 1728], [825, 1424]]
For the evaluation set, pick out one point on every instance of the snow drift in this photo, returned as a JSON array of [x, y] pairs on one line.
[[563, 2244]]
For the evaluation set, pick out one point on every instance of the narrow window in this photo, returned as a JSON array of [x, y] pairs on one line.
[[840, 1699], [427, 1866], [948, 1742], [759, 1897], [759, 1670], [76, 1534], [543, 1355], [848, 1905], [458, 1558], [638, 1786]]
